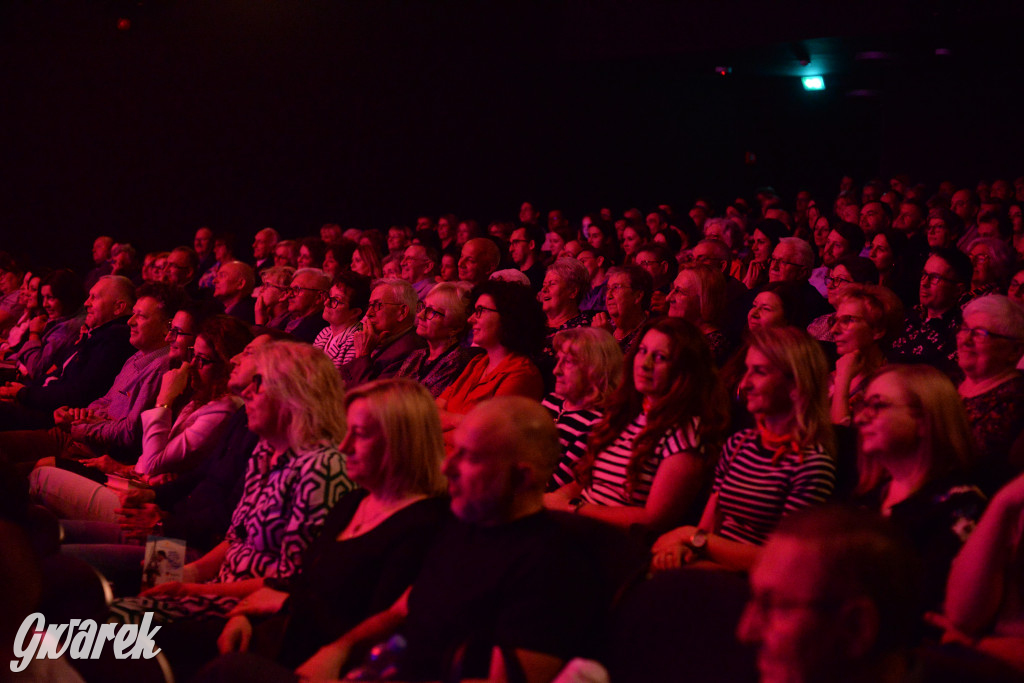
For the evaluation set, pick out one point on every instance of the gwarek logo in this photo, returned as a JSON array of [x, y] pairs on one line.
[[81, 639]]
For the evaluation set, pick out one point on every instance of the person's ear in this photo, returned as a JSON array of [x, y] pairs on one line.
[[859, 622]]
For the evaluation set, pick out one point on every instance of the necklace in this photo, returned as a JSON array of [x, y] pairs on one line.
[[370, 515]]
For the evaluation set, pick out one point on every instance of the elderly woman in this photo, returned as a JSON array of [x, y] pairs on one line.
[[868, 317], [50, 339], [992, 260], [782, 465], [846, 271], [441, 321], [192, 409], [344, 307], [989, 345], [627, 300], [914, 451], [588, 370], [651, 454], [295, 404], [508, 324], [565, 283], [374, 540], [698, 297], [272, 301], [366, 261]]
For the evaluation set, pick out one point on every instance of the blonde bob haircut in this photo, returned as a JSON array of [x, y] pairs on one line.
[[710, 285], [883, 309], [799, 357], [455, 299], [596, 350], [414, 447], [307, 389], [946, 442]]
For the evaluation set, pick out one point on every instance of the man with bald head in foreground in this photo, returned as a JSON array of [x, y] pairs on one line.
[[508, 582]]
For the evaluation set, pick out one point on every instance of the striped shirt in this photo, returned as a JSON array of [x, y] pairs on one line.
[[573, 429], [754, 493], [608, 477], [340, 347]]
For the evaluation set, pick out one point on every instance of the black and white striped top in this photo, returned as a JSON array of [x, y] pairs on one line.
[[608, 477], [754, 493], [573, 429]]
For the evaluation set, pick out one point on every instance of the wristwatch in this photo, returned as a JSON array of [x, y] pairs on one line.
[[698, 543]]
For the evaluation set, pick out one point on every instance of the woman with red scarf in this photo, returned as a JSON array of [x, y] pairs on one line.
[[782, 465]]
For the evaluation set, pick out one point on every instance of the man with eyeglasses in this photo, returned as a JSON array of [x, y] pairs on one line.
[[844, 239], [524, 248], [833, 598], [929, 334], [180, 270], [662, 266], [419, 268], [306, 297], [232, 287], [387, 337], [791, 261]]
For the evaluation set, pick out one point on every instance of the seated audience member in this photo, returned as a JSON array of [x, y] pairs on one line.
[[124, 262], [311, 253], [597, 279], [420, 265], [571, 249], [791, 261], [1016, 289], [990, 342], [634, 237], [374, 541], [306, 296], [202, 242], [180, 270], [991, 261], [110, 424], [272, 301], [914, 453], [479, 258], [763, 240], [524, 248], [441, 322], [223, 244], [508, 324], [565, 283], [30, 300], [833, 598], [660, 263], [508, 585], [101, 247], [92, 364], [232, 287], [295, 403], [50, 340], [346, 303], [588, 371], [11, 308], [698, 297], [890, 252], [929, 335], [391, 268], [150, 273], [777, 305], [867, 319], [399, 237], [844, 240], [984, 600], [449, 268], [263, 249], [388, 335], [627, 301], [944, 229], [652, 453], [174, 440], [717, 254], [338, 257], [331, 234], [366, 261], [846, 271], [766, 473]]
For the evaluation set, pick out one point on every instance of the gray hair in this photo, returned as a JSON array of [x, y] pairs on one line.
[[1008, 318], [801, 248], [1000, 254], [400, 290], [574, 274]]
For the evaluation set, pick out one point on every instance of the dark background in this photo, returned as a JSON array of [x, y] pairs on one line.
[[242, 114]]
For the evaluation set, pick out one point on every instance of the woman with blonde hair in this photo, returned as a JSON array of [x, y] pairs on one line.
[[698, 296], [783, 464], [588, 370], [441, 319], [295, 404], [366, 261], [914, 453], [374, 540], [271, 302]]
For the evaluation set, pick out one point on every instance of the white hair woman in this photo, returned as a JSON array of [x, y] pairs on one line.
[[989, 345], [441, 319]]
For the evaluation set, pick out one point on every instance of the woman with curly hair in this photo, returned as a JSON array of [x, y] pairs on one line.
[[651, 454]]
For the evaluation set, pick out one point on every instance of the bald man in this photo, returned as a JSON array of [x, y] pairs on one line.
[[480, 258], [508, 579], [232, 287]]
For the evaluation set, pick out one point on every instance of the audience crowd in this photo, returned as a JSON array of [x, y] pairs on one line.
[[461, 449]]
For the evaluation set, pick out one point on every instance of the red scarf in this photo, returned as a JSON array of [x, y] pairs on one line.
[[779, 444]]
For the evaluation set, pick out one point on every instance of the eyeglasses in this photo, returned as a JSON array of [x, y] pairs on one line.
[[833, 282], [773, 261], [294, 291], [377, 305], [175, 332], [334, 302], [615, 288], [648, 263], [845, 321], [868, 409], [202, 361], [429, 312], [980, 334], [480, 310], [933, 279], [279, 288]]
